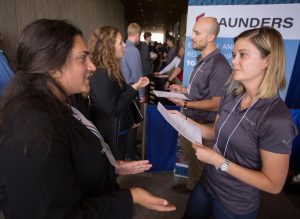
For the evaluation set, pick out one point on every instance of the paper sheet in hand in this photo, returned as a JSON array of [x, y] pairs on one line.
[[170, 95], [183, 126]]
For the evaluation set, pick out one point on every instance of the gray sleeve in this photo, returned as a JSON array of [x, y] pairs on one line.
[[181, 63], [277, 131], [218, 78]]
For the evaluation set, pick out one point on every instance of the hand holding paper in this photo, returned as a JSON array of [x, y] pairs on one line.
[[170, 95], [189, 130]]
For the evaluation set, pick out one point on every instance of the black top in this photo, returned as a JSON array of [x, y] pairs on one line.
[[109, 97], [146, 59], [51, 166], [268, 126]]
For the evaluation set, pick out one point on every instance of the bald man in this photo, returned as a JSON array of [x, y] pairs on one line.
[[205, 89]]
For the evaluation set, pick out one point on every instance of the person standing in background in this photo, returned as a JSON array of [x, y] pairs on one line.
[[131, 68], [171, 49], [205, 88], [147, 61], [131, 65], [109, 91]]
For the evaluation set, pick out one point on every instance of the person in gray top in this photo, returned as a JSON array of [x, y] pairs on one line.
[[205, 88], [131, 68], [171, 49], [253, 133], [131, 65]]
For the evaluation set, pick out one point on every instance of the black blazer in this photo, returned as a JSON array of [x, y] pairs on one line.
[[112, 105], [53, 168]]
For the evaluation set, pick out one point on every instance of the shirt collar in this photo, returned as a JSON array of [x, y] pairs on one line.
[[128, 42], [215, 52]]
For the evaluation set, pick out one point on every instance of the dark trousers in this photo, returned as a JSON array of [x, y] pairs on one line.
[[132, 150], [121, 146], [202, 205]]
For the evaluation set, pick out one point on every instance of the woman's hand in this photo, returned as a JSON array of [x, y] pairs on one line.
[[132, 167], [142, 82], [147, 200], [135, 125], [208, 155]]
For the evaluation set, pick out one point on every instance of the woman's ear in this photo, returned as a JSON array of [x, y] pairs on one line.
[[267, 60], [55, 73]]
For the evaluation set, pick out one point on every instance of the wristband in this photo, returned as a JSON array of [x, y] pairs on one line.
[[185, 105], [169, 81]]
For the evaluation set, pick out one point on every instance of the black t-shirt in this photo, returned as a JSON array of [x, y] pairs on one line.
[[266, 126]]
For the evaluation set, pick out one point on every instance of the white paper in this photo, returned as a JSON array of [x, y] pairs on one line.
[[170, 95], [183, 126]]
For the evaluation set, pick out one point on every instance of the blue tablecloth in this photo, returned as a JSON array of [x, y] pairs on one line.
[[161, 141]]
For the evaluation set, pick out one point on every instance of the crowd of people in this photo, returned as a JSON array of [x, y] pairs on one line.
[[68, 125]]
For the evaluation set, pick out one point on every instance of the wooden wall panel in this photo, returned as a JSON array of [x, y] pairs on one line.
[[86, 14]]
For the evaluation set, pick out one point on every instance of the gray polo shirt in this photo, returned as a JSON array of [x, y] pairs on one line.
[[206, 81], [267, 126]]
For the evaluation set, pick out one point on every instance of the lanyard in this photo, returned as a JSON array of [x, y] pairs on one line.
[[87, 123], [216, 144], [191, 81]]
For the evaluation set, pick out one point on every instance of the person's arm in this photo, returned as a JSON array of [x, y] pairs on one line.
[[274, 153], [207, 132], [142, 82], [174, 74], [147, 200], [171, 77], [270, 178], [106, 96], [211, 104]]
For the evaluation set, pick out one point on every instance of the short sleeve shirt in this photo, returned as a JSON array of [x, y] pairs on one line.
[[181, 63], [266, 126], [207, 80]]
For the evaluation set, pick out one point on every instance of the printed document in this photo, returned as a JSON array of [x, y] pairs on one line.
[[183, 126], [170, 95]]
